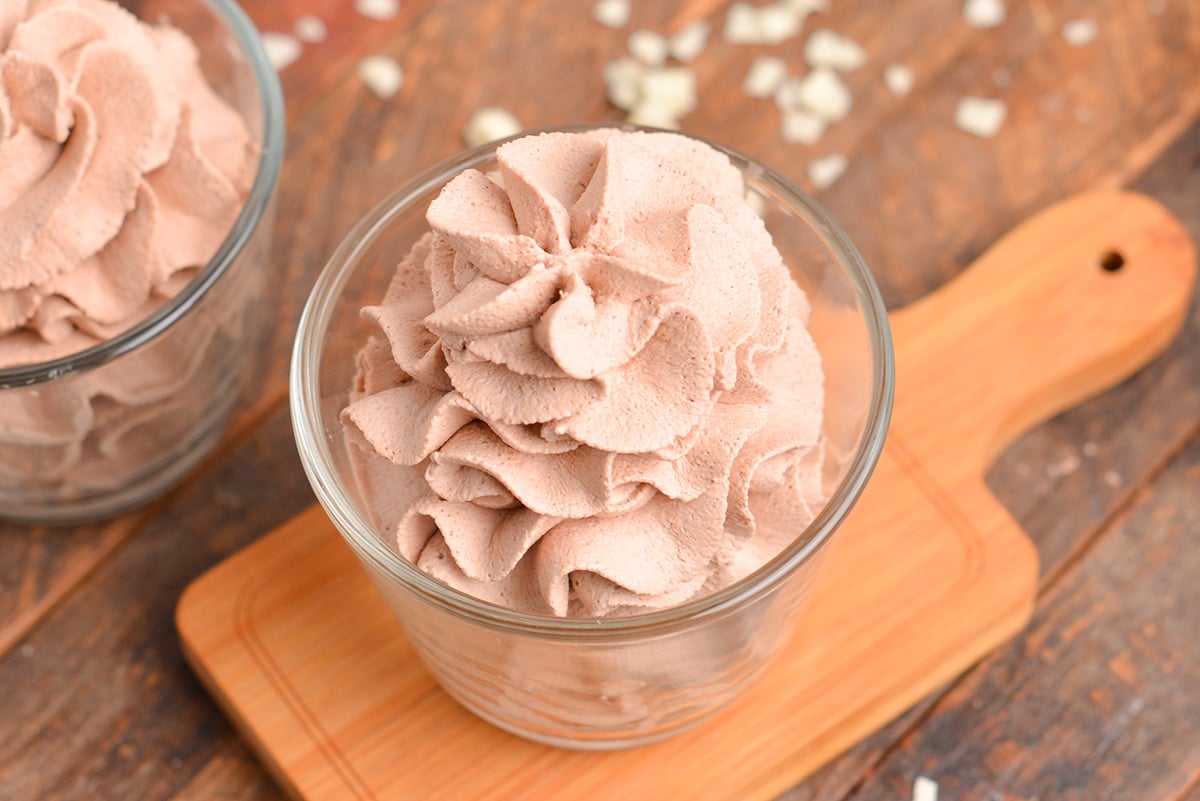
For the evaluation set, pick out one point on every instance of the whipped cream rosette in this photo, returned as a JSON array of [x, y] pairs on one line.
[[592, 390], [121, 173]]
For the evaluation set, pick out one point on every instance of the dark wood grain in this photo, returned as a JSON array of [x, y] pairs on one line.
[[1065, 479], [40, 565], [1100, 697], [231, 774], [1063, 490], [922, 199], [96, 700]]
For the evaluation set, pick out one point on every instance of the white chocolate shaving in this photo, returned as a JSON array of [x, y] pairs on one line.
[[925, 789], [489, 125], [382, 75], [823, 93], [984, 13], [689, 42], [611, 13], [824, 171], [1080, 32], [769, 25], [826, 48], [765, 76], [310, 29], [898, 79], [980, 116], [777, 23], [648, 47], [653, 116], [801, 127], [377, 9], [741, 24], [282, 49], [623, 82], [672, 89]]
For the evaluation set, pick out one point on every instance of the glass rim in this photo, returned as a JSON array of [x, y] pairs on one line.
[[266, 177], [360, 534]]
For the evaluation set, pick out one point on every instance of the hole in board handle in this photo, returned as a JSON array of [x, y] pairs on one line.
[[1111, 261]]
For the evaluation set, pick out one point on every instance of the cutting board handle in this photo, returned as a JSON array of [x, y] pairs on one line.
[[1064, 306]]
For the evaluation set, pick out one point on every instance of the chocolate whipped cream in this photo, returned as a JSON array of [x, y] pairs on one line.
[[592, 391], [121, 172]]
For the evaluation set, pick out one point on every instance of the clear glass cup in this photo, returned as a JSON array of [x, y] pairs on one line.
[[109, 428], [612, 682]]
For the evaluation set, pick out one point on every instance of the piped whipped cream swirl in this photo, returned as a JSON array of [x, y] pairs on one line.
[[121, 172], [592, 391]]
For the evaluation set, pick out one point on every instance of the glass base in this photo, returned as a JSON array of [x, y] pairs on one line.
[[149, 485], [599, 741]]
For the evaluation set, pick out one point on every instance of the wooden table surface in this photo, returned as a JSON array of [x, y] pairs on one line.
[[1098, 699]]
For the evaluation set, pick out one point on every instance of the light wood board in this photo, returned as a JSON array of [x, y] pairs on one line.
[[928, 574]]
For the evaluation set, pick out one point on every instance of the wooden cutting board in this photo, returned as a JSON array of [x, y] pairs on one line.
[[928, 574]]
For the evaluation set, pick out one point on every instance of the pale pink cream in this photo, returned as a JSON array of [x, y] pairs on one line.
[[592, 391], [121, 172]]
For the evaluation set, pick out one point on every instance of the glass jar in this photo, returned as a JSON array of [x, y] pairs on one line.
[[610, 682], [111, 427]]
